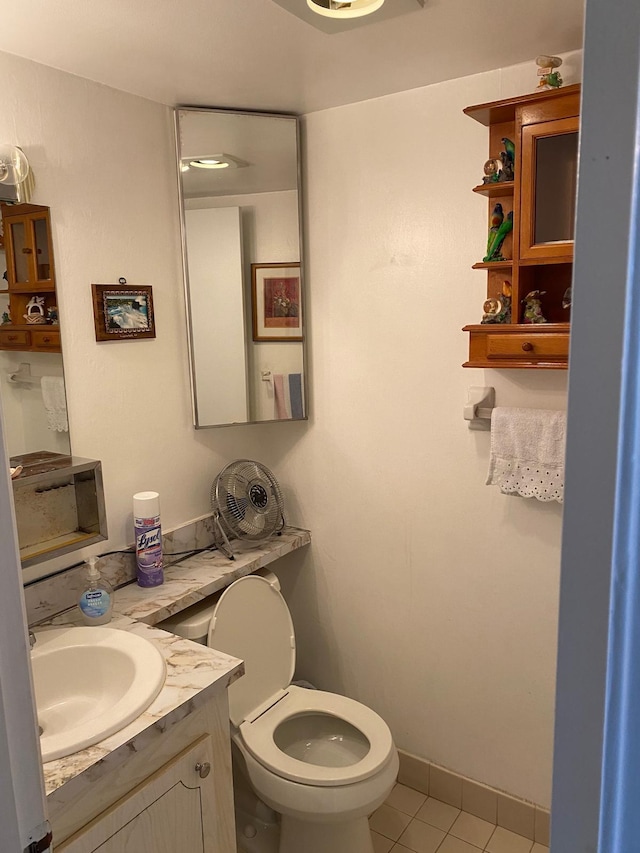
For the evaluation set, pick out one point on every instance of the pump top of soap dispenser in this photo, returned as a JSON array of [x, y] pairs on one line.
[[93, 571]]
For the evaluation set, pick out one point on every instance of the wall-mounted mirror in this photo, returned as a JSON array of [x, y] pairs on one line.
[[240, 201], [58, 498], [31, 369]]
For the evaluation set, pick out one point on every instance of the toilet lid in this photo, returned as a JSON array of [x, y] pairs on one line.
[[252, 621]]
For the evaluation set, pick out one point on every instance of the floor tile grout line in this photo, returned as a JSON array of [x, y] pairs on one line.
[[448, 833]]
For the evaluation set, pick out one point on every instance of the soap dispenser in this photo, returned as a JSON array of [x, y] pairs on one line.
[[96, 601]]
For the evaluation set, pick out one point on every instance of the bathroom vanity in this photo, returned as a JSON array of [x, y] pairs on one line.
[[167, 775]]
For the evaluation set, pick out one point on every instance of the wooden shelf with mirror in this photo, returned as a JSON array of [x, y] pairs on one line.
[[544, 129], [30, 273]]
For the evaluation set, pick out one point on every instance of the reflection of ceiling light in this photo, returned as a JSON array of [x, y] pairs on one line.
[[209, 164], [341, 9], [212, 161]]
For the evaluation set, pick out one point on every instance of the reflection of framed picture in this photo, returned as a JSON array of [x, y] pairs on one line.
[[122, 312], [276, 301]]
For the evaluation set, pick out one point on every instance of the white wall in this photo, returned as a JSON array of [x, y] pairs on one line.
[[429, 596], [104, 161]]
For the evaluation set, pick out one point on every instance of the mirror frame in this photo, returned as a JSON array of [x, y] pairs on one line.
[[185, 265]]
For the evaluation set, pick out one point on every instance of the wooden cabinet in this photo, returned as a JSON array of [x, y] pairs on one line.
[[116, 799], [539, 251], [173, 811], [30, 273]]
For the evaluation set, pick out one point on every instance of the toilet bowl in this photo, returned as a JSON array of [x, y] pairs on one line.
[[322, 761]]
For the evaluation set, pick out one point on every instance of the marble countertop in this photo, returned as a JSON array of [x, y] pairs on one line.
[[194, 672], [193, 579]]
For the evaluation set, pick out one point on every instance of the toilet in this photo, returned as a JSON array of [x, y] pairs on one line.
[[322, 761]]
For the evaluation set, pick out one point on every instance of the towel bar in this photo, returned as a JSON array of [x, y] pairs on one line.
[[478, 408], [23, 375]]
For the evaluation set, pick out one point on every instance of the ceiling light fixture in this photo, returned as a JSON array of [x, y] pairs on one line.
[[209, 164], [212, 161], [341, 9]]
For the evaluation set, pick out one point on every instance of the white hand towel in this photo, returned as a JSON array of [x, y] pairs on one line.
[[527, 452], [55, 403]]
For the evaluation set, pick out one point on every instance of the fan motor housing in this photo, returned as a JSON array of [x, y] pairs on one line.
[[258, 496]]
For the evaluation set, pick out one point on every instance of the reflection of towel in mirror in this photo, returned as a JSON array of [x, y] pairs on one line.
[[287, 392], [55, 403]]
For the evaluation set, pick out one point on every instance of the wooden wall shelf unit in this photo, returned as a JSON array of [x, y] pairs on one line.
[[544, 128], [30, 272]]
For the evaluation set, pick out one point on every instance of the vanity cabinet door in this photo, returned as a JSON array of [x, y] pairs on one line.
[[172, 811]]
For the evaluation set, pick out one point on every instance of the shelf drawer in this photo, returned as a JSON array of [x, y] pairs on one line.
[[45, 338], [523, 347], [14, 338]]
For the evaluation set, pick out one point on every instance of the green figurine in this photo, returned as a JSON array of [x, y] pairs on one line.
[[510, 148], [533, 307], [497, 237], [497, 218], [550, 77], [508, 158]]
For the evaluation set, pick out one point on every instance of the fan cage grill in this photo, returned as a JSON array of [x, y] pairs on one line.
[[247, 500]]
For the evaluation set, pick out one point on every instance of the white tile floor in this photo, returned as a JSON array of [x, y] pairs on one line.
[[410, 822]]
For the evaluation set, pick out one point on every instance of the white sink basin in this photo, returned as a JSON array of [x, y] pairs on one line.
[[90, 683]]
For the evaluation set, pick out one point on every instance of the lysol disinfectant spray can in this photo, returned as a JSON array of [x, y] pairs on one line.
[[146, 521]]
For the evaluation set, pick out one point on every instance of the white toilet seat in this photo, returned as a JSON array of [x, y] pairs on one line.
[[258, 737]]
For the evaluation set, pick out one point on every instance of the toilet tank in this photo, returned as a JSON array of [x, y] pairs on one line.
[[193, 622]]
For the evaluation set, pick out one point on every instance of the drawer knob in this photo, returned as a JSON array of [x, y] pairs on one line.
[[27, 251], [203, 769], [47, 339], [527, 347], [13, 337]]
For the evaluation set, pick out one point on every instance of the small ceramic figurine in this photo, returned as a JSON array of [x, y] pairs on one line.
[[35, 310], [566, 299], [549, 77], [508, 159], [5, 318], [506, 172], [533, 307], [497, 236], [52, 315], [497, 309], [497, 218], [492, 169]]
